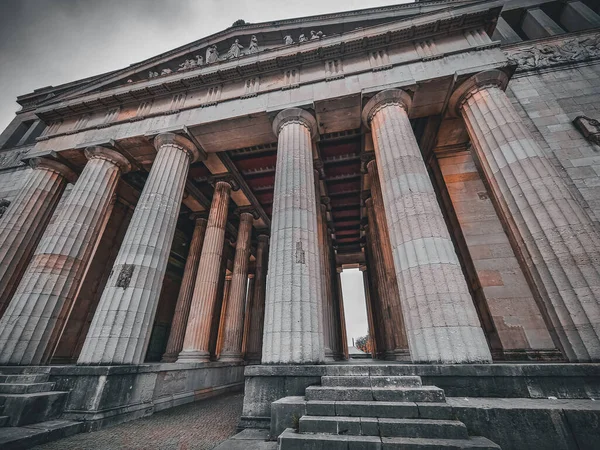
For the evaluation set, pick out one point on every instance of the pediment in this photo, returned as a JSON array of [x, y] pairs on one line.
[[242, 41]]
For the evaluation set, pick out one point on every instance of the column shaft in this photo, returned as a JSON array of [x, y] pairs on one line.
[[184, 299], [247, 314], [342, 336], [561, 246], [293, 331], [41, 304], [440, 318], [25, 220], [121, 327], [257, 307], [370, 319], [197, 335], [234, 315], [383, 238]]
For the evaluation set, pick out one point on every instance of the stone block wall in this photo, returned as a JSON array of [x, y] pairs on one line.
[[548, 101]]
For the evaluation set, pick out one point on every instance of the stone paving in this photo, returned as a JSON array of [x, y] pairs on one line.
[[195, 426]]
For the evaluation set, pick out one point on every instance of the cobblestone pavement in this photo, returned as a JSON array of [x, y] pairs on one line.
[[195, 426]]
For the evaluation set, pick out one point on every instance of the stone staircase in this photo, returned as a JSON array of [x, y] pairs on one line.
[[30, 409], [378, 412]]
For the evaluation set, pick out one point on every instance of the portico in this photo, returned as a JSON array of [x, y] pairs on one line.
[[243, 184]]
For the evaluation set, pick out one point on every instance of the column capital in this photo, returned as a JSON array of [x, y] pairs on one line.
[[482, 80], [178, 141], [226, 178], [263, 238], [249, 210], [98, 152], [199, 216], [295, 115], [53, 166], [381, 100]]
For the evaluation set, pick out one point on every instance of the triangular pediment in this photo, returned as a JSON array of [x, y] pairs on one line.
[[249, 40]]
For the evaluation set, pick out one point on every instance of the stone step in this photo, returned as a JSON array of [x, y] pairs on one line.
[[3, 421], [421, 394], [25, 388], [371, 426], [25, 378], [392, 410], [13, 438], [24, 370], [472, 443], [291, 440], [373, 381], [25, 409]]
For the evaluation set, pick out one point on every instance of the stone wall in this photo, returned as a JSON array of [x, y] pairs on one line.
[[548, 101]]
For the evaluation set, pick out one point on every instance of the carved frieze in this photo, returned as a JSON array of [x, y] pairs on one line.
[[548, 54], [12, 158]]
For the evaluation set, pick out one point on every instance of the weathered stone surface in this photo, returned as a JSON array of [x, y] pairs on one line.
[[22, 224], [198, 331], [184, 300], [293, 330], [121, 327], [560, 244], [34, 319], [234, 312], [441, 320]]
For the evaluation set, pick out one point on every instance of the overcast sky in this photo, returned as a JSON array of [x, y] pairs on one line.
[[50, 42]]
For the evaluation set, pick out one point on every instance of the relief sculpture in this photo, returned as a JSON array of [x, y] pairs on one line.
[[547, 55]]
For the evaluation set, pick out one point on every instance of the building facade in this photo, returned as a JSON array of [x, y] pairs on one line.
[[198, 207]]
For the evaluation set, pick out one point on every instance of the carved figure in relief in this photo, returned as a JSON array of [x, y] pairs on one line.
[[253, 47], [212, 54], [199, 60], [316, 35], [166, 71], [287, 40], [152, 74], [302, 38], [235, 50], [190, 63]]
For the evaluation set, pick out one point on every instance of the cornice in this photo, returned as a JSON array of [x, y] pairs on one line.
[[354, 42]]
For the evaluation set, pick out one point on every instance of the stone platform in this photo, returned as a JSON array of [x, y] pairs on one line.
[[100, 396]]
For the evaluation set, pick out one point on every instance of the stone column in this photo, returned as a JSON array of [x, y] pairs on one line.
[[197, 335], [370, 318], [184, 299], [218, 326], [121, 327], [36, 315], [343, 336], [256, 309], [384, 289], [247, 307], [400, 351], [25, 220], [234, 314], [440, 318], [557, 237], [293, 332]]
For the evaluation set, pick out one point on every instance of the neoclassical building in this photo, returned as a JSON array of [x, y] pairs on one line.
[[165, 225]]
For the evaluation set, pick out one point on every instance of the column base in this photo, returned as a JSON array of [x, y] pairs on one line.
[[194, 357], [169, 357], [399, 354], [231, 357]]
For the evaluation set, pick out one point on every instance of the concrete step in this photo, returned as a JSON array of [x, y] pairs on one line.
[[25, 409], [473, 443], [25, 388], [13, 438], [3, 421], [25, 378], [392, 410], [370, 426], [375, 381], [421, 394]]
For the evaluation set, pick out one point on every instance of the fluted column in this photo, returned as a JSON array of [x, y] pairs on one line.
[[384, 291], [234, 314], [121, 327], [440, 318], [197, 335], [559, 242], [342, 336], [24, 221], [370, 318], [184, 299], [41, 304], [256, 309], [292, 332], [383, 241], [247, 306]]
